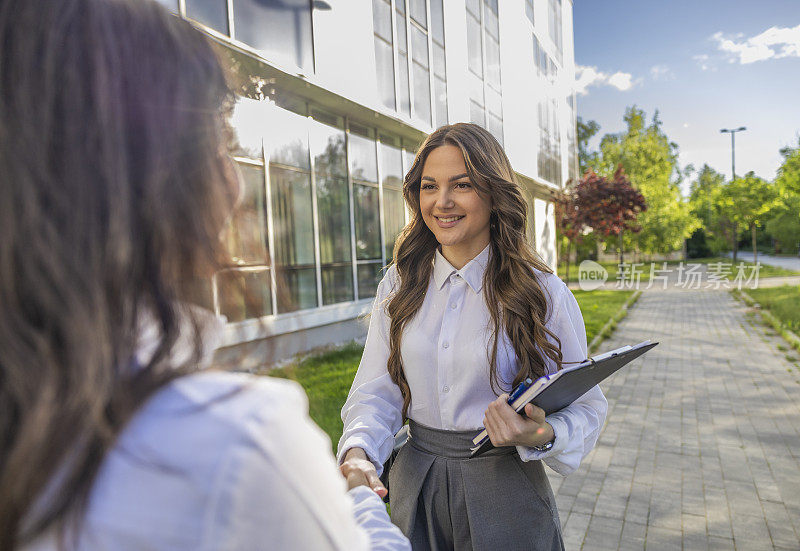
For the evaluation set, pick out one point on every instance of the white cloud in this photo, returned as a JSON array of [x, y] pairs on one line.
[[661, 72], [702, 61], [774, 43], [591, 76]]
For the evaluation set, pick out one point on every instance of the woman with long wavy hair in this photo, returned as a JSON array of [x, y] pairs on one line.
[[114, 189], [466, 311]]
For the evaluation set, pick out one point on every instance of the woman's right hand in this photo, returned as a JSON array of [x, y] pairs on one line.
[[359, 471]]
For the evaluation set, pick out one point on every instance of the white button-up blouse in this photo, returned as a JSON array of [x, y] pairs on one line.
[[445, 353]]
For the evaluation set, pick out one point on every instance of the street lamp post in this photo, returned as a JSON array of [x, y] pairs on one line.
[[732, 132]]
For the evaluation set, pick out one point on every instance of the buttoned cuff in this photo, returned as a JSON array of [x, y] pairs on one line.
[[559, 444]]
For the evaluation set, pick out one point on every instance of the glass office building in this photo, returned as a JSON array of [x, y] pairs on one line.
[[333, 98]]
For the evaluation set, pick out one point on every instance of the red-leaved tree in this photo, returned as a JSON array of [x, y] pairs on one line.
[[609, 207]]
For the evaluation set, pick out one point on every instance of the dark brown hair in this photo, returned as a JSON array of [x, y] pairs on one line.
[[114, 187], [516, 302]]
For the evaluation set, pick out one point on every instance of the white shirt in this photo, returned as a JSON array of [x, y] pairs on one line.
[[445, 354], [221, 461]]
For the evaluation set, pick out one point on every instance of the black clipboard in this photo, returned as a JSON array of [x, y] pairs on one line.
[[571, 383]]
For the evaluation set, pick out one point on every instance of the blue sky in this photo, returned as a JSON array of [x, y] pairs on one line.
[[704, 65]]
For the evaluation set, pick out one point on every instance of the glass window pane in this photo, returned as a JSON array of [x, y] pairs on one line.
[[382, 19], [418, 14], [402, 45], [291, 212], [408, 160], [475, 89], [476, 114], [437, 21], [297, 289], [440, 91], [474, 6], [244, 294], [280, 29], [337, 284], [171, 5], [363, 165], [328, 149], [474, 46], [384, 61], [494, 102], [493, 62], [391, 166], [211, 13], [367, 218], [422, 93], [529, 10], [333, 204], [369, 275], [286, 141], [394, 218], [496, 127], [490, 21], [248, 121], [404, 103], [247, 232], [438, 61], [419, 46]]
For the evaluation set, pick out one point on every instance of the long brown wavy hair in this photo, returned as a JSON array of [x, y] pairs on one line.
[[115, 184], [516, 302]]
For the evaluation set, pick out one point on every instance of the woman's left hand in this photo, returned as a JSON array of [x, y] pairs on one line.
[[508, 428]]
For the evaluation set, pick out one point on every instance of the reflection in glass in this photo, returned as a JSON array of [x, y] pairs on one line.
[[474, 6], [327, 146], [496, 127], [294, 238], [244, 293], [369, 275], [394, 218], [474, 46], [490, 22], [211, 13], [404, 98], [280, 29], [382, 19], [418, 14], [384, 62], [248, 121], [171, 5], [297, 288], [419, 46], [286, 140], [494, 102], [363, 165], [440, 94], [476, 114], [422, 93], [367, 219], [391, 166], [337, 283], [493, 62], [246, 235], [437, 21], [438, 61]]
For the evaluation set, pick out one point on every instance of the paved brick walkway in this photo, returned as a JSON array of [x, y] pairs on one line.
[[701, 449]]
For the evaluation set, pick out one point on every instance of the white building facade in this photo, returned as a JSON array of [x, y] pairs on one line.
[[333, 98]]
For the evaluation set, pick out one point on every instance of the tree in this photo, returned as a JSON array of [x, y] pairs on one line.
[[651, 162], [704, 202], [747, 201], [783, 222], [610, 207], [569, 217], [586, 130]]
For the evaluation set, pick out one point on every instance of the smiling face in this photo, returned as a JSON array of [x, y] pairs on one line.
[[451, 206]]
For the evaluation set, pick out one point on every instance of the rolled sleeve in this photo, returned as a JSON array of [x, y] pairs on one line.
[[577, 426]]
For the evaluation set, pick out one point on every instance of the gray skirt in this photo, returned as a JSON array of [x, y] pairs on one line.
[[442, 499]]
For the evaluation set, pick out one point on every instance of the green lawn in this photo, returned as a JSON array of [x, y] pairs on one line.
[[782, 302], [327, 377], [765, 271]]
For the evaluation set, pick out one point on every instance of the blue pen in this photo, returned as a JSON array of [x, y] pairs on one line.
[[521, 388]]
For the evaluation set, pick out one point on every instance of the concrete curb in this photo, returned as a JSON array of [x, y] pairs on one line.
[[769, 319], [611, 324]]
